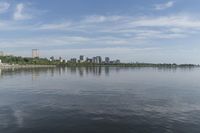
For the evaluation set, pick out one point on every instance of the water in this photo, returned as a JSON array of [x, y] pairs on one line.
[[100, 100]]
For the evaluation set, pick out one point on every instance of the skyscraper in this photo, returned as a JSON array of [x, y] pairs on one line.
[[94, 59], [99, 60], [82, 58], [35, 53], [107, 60]]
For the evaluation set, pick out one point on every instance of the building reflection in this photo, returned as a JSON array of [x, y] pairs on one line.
[[58, 71], [107, 70], [35, 75], [81, 71], [78, 71]]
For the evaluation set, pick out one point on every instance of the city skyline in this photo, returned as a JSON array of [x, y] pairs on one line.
[[81, 59], [130, 30]]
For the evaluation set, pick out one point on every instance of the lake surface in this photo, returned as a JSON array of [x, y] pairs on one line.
[[100, 100]]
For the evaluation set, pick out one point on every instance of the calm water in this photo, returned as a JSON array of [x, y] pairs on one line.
[[100, 100]]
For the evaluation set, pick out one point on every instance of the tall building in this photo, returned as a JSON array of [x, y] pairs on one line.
[[35, 53], [73, 60], [107, 60], [1, 53], [52, 58], [94, 60], [82, 58], [99, 60], [89, 60], [117, 61], [60, 59]]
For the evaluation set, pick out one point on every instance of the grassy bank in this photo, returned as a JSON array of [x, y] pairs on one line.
[[24, 66]]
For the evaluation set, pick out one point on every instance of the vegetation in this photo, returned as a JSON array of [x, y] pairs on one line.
[[24, 60], [131, 65]]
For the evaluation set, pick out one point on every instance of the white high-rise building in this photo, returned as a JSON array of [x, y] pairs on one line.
[[99, 59], [35, 53], [1, 53]]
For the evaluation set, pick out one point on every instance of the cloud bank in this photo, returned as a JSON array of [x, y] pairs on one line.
[[4, 6], [164, 5], [19, 13]]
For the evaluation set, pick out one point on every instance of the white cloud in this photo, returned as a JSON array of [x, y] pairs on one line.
[[100, 19], [57, 26], [65, 42], [19, 13], [4, 6], [168, 21], [45, 42], [164, 5], [117, 24], [95, 19], [3, 24], [108, 30]]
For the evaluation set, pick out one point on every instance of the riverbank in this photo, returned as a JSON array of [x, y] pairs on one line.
[[128, 65], [3, 65], [24, 66]]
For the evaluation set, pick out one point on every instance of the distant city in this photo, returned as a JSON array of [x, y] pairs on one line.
[[82, 59], [35, 59]]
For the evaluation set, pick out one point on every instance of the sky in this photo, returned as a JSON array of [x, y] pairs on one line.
[[154, 31]]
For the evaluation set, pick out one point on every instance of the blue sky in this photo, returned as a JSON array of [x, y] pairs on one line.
[[132, 30]]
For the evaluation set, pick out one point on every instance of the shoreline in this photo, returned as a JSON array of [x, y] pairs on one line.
[[5, 66]]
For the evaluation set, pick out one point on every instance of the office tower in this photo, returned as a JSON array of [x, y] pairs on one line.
[[99, 60], [82, 58], [107, 60]]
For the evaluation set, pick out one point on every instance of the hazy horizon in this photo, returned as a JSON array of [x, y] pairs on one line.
[[130, 30]]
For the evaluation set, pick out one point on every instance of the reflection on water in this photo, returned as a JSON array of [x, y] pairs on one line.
[[100, 100], [82, 71]]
